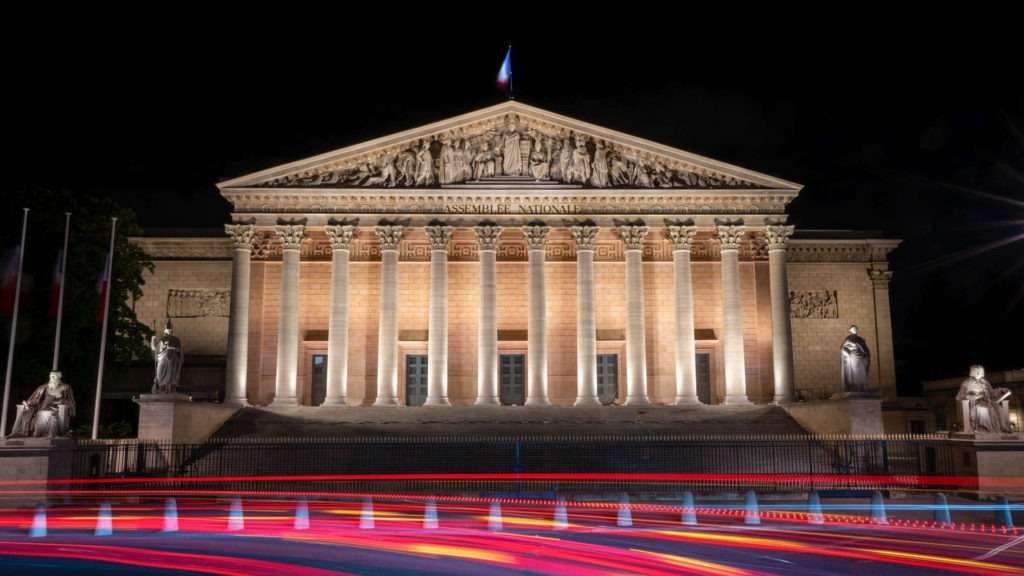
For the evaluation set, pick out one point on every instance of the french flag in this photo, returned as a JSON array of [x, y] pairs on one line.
[[102, 286], [58, 279], [9, 281], [505, 72]]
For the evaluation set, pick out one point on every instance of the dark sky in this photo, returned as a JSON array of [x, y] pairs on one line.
[[920, 138]]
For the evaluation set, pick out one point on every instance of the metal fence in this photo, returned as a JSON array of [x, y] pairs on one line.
[[520, 463]]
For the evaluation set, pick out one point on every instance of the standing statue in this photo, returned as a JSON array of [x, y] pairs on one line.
[[513, 162], [169, 358], [48, 411], [599, 174], [580, 169], [483, 162], [983, 408], [449, 170], [407, 167], [466, 161], [565, 159], [424, 166], [619, 171], [855, 359]]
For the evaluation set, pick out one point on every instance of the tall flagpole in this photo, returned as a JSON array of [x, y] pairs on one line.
[[511, 93], [103, 337], [14, 327], [63, 281]]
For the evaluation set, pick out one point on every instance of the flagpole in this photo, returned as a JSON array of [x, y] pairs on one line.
[[511, 94], [63, 281], [103, 337], [14, 326]]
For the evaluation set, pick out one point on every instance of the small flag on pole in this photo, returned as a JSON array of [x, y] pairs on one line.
[[58, 279], [101, 288], [505, 72]]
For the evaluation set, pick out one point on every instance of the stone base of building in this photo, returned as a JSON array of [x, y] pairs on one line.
[[846, 414], [996, 460], [39, 460], [176, 418]]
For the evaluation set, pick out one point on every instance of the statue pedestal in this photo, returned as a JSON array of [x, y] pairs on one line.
[[841, 414], [996, 460], [38, 460], [176, 418]]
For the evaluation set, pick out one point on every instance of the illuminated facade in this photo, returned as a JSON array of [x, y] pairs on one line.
[[512, 255]]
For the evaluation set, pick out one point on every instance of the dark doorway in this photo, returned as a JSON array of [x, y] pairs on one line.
[[319, 383], [607, 378], [415, 379], [512, 389], [704, 377]]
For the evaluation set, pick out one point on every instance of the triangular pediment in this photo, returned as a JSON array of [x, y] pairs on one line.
[[509, 145]]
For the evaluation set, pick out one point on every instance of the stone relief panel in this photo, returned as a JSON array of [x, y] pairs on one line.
[[506, 147], [814, 304], [197, 303]]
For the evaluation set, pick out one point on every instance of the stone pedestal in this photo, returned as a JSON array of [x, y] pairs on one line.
[[176, 418], [996, 460], [35, 459], [843, 414]]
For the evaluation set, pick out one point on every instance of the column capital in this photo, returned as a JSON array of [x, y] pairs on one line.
[[536, 234], [584, 234], [341, 234], [242, 234], [681, 233], [291, 232], [487, 234], [632, 233], [439, 234], [778, 235], [730, 232], [389, 235], [880, 278]]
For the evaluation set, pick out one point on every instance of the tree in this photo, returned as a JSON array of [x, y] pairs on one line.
[[87, 251]]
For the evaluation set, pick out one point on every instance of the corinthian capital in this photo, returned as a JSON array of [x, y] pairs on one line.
[[340, 234], [389, 235], [681, 233], [730, 232], [536, 234], [487, 234], [291, 233], [242, 235], [440, 235], [632, 233], [778, 235], [584, 234]]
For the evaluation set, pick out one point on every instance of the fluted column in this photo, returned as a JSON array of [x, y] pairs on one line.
[[782, 336], [633, 235], [586, 329], [235, 391], [389, 235], [681, 234], [439, 235], [286, 386], [885, 366], [340, 236], [536, 235], [730, 234], [487, 344]]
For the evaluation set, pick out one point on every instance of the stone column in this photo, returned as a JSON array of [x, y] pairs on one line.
[[389, 235], [681, 234], [782, 335], [730, 234], [633, 235], [286, 385], [536, 235], [235, 391], [586, 328], [437, 328], [487, 234], [885, 364], [340, 236]]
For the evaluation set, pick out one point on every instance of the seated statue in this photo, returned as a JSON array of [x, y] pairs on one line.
[[168, 356], [983, 408], [855, 360], [48, 411]]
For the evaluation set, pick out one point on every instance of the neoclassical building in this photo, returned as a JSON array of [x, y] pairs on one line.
[[516, 256]]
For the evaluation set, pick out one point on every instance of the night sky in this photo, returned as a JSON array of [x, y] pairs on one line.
[[907, 138]]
